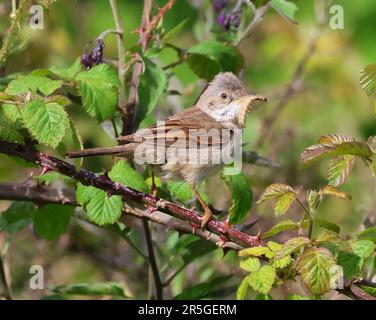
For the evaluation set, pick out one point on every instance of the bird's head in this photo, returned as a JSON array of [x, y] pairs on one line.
[[226, 100]]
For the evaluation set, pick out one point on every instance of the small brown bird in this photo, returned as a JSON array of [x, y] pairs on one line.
[[191, 144]]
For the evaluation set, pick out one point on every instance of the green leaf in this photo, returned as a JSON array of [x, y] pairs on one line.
[[362, 248], [153, 82], [46, 122], [9, 131], [91, 289], [296, 297], [208, 58], [279, 263], [332, 191], [256, 252], [84, 194], [52, 220], [339, 169], [168, 36], [33, 84], [180, 190], [102, 209], [67, 74], [370, 290], [250, 264], [327, 225], [241, 195], [122, 172], [263, 279], [285, 8], [281, 226], [335, 145], [283, 194], [368, 234], [242, 289], [316, 267], [350, 263], [202, 290], [290, 246], [333, 238], [98, 89], [17, 216], [368, 79], [196, 249]]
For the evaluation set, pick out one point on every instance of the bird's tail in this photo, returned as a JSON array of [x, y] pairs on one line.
[[93, 152]]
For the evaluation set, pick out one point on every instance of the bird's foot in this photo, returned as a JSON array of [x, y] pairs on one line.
[[150, 209], [206, 218]]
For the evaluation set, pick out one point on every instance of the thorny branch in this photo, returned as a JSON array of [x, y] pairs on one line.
[[44, 195]]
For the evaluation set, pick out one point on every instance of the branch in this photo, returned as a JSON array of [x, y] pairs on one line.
[[12, 33], [152, 261], [259, 14], [121, 57], [102, 182], [294, 85], [48, 195]]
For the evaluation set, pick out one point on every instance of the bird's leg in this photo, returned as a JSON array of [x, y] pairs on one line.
[[207, 212], [153, 185]]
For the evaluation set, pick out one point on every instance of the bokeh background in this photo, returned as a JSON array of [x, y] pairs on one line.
[[330, 100]]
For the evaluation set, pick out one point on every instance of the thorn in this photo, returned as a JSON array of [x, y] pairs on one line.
[[45, 169], [194, 227], [150, 210]]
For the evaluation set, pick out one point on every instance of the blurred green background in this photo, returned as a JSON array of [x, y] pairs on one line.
[[330, 101]]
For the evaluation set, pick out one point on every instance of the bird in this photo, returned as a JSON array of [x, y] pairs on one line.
[[200, 132]]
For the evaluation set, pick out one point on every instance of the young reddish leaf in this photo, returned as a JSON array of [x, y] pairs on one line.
[[332, 191], [339, 169]]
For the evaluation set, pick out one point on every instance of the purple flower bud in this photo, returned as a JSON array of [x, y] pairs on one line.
[[221, 19], [218, 5], [95, 55]]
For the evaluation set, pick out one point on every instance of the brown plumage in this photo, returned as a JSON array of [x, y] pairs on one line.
[[223, 105]]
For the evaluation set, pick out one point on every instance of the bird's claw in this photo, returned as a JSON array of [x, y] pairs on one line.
[[206, 218]]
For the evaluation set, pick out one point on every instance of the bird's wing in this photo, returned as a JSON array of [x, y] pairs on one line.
[[189, 127]]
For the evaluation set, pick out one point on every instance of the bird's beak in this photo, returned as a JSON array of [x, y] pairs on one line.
[[250, 101]]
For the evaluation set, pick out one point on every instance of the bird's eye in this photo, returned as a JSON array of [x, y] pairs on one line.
[[224, 95]]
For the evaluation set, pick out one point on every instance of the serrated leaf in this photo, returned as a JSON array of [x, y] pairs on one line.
[[98, 89], [122, 172], [280, 227], [250, 264], [290, 246], [339, 169], [256, 252], [362, 248], [368, 234], [32, 83], [47, 122], [168, 36], [279, 263], [208, 58], [91, 289], [84, 194], [242, 289], [285, 8], [263, 279], [241, 195], [67, 74], [332, 191], [52, 220], [335, 145], [153, 82], [17, 216], [368, 79], [102, 209], [183, 192], [315, 266], [333, 238], [284, 195]]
